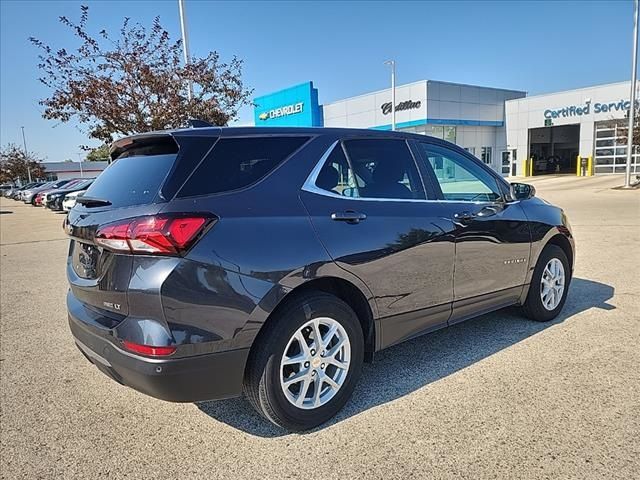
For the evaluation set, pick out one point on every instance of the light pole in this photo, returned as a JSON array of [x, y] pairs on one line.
[[185, 44], [80, 161], [632, 95], [26, 155], [392, 63]]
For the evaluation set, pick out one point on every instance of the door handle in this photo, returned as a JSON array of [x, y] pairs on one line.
[[348, 216], [487, 212], [464, 216]]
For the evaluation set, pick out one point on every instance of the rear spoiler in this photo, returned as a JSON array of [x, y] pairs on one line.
[[162, 140], [148, 139]]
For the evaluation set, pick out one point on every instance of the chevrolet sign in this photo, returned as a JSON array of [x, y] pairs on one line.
[[285, 111]]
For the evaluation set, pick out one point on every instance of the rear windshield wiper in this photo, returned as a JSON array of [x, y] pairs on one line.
[[92, 202]]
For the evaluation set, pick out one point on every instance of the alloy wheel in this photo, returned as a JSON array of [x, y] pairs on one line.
[[315, 363], [552, 284]]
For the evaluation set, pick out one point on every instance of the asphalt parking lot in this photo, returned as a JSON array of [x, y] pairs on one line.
[[495, 397]]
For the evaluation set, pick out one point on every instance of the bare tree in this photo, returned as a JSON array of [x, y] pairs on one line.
[[135, 82]]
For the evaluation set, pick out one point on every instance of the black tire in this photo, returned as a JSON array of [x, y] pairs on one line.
[[533, 307], [262, 377]]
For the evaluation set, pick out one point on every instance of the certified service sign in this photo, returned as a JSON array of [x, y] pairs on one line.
[[285, 111]]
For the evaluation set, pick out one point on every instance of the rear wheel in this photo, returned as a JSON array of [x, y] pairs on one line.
[[306, 363], [549, 285]]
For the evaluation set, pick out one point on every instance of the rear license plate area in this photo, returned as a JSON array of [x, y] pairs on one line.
[[86, 258]]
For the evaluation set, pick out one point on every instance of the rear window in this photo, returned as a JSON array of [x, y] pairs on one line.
[[235, 163], [132, 180]]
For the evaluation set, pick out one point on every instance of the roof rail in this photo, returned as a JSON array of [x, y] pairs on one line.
[[195, 123]]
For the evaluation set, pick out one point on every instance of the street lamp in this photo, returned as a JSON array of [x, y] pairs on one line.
[[26, 155], [80, 161], [185, 44], [632, 99], [392, 63]]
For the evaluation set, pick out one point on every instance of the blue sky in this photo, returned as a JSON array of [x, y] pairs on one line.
[[535, 46]]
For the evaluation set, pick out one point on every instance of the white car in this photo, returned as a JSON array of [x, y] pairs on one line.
[[70, 200]]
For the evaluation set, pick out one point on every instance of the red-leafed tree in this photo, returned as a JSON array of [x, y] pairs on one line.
[[135, 81], [16, 165]]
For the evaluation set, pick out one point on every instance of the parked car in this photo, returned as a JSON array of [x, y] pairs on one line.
[[38, 199], [53, 200], [29, 196], [205, 263], [10, 191], [70, 200], [4, 189], [13, 191], [17, 195]]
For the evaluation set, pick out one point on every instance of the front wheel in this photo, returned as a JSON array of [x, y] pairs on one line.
[[305, 365], [549, 285]]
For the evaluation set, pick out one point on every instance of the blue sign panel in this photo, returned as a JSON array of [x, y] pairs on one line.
[[295, 106]]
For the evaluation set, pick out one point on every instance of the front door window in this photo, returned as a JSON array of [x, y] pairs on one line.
[[459, 178]]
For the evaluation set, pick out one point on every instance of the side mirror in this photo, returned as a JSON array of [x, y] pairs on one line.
[[522, 191]]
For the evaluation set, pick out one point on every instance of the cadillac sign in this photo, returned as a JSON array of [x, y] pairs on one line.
[[285, 111], [408, 105]]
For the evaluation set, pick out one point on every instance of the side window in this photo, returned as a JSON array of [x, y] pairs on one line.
[[460, 179], [336, 175], [384, 168], [239, 162]]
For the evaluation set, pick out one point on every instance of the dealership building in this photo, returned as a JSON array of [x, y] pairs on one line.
[[501, 127]]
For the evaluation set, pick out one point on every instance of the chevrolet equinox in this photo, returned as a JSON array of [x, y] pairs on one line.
[[207, 263]]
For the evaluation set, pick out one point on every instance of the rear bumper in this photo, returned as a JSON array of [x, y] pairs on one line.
[[212, 376]]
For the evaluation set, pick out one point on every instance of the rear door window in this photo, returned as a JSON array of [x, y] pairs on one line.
[[235, 163], [336, 176], [383, 168]]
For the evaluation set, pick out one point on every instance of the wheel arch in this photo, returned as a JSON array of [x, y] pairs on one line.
[[561, 241], [345, 291], [556, 237]]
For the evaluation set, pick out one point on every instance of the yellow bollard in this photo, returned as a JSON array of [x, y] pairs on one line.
[[590, 166], [578, 169], [528, 167]]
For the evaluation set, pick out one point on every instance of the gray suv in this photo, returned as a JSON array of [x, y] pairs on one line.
[[210, 262]]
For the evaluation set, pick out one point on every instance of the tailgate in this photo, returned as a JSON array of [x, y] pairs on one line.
[[136, 184], [99, 277]]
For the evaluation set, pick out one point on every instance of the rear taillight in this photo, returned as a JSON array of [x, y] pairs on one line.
[[157, 234], [148, 349]]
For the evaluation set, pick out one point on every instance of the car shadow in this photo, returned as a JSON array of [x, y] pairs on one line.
[[5, 212], [404, 368]]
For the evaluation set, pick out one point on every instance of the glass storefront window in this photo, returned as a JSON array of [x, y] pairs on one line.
[[420, 129], [445, 132], [449, 134], [486, 155], [435, 131]]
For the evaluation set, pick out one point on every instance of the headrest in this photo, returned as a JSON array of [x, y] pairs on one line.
[[388, 172], [328, 178]]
